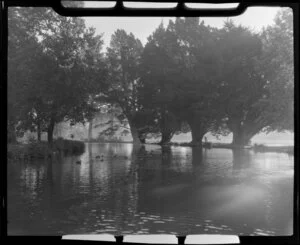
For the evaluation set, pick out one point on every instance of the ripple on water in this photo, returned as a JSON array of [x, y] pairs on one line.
[[96, 193]]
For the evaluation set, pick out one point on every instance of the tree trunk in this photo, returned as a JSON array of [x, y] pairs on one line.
[[135, 134], [90, 130], [166, 137], [142, 136], [167, 127], [241, 136], [142, 139], [240, 139], [50, 131], [197, 134], [38, 131]]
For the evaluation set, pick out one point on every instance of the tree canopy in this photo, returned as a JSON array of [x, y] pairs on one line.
[[188, 76], [56, 72]]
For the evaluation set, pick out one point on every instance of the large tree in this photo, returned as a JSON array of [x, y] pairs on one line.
[[257, 78], [18, 42], [123, 58], [278, 68], [65, 68], [159, 72], [242, 82], [196, 99]]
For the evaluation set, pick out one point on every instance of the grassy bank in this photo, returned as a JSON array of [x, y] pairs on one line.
[[263, 148], [255, 147], [107, 141], [69, 147], [42, 150]]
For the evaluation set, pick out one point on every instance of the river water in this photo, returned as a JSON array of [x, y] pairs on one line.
[[174, 190]]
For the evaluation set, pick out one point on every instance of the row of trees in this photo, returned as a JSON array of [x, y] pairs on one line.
[[54, 65], [188, 76]]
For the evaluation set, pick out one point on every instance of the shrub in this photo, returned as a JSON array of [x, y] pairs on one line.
[[41, 150], [28, 151], [69, 147]]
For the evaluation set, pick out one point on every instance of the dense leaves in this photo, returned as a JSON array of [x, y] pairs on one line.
[[123, 59], [55, 66], [188, 76]]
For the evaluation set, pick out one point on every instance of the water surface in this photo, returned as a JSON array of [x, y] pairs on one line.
[[175, 190]]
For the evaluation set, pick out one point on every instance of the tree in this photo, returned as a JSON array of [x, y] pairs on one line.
[[278, 67], [123, 58], [197, 94], [242, 81], [258, 79], [67, 69], [158, 73], [23, 50]]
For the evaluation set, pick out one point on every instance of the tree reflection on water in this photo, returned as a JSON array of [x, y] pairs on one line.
[[151, 189]]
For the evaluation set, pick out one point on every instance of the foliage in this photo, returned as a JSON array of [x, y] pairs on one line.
[[158, 72], [257, 84], [123, 58], [68, 147], [242, 82], [278, 65], [63, 67], [189, 76], [28, 151], [38, 150]]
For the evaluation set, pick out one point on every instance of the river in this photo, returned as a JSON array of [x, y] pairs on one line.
[[173, 190]]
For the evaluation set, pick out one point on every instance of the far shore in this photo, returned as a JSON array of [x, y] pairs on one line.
[[255, 147]]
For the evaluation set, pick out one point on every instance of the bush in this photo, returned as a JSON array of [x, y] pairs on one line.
[[28, 151], [69, 147], [42, 150]]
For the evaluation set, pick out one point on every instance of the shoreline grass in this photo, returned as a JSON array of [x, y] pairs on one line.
[[255, 147], [209, 145], [43, 150]]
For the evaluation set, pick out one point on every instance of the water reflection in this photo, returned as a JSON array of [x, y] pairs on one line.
[[241, 158], [153, 189]]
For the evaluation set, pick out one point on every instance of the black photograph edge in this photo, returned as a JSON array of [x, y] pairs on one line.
[[118, 10]]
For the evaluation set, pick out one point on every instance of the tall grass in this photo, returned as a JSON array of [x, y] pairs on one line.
[[69, 147], [42, 150]]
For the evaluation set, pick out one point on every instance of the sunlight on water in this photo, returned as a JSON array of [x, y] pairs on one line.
[[173, 190]]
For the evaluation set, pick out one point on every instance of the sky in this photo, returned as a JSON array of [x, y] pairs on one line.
[[142, 27]]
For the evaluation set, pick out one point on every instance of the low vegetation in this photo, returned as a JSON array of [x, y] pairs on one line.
[[187, 77], [264, 148], [43, 150], [255, 147]]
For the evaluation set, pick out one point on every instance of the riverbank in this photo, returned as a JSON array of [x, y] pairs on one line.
[[43, 150], [255, 147], [208, 145]]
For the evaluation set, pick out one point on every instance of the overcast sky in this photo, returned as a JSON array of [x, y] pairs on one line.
[[142, 27]]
